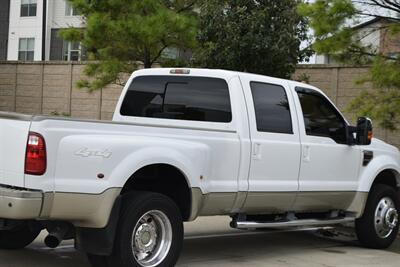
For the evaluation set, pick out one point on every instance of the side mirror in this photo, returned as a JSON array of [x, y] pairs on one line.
[[364, 131]]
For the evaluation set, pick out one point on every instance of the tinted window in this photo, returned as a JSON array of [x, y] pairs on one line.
[[180, 98], [272, 108], [320, 117]]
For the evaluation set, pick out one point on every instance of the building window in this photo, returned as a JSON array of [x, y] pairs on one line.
[[171, 53], [71, 51], [69, 9], [26, 49], [28, 8]]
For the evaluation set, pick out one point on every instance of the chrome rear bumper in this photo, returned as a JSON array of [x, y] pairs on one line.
[[20, 204]]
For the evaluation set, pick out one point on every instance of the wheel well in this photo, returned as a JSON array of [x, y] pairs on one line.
[[164, 179], [388, 177]]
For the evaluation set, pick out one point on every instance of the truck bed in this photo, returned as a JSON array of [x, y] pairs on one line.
[[79, 150]]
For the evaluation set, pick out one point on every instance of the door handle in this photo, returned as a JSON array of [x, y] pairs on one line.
[[306, 154], [257, 151]]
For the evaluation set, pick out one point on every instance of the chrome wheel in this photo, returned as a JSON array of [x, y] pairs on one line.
[[386, 217], [152, 238]]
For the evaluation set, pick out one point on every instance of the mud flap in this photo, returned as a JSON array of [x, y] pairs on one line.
[[99, 241]]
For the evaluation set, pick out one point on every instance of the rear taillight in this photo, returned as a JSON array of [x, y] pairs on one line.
[[35, 158]]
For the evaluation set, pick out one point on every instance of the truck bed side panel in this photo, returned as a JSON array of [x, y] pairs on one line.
[[78, 151]]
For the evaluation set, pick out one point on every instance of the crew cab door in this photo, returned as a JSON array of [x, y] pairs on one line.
[[329, 167], [275, 157]]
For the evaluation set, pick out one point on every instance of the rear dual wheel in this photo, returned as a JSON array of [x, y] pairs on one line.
[[20, 236], [149, 234]]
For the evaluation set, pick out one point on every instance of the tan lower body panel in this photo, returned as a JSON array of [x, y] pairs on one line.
[[357, 206], [278, 202], [268, 202], [93, 210], [215, 203], [275, 202], [316, 201], [82, 210], [322, 201]]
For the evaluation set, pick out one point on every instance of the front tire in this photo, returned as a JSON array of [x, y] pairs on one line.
[[379, 225], [150, 232], [19, 237]]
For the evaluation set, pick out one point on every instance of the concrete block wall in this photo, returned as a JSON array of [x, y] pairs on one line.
[[50, 88], [57, 86], [8, 82]]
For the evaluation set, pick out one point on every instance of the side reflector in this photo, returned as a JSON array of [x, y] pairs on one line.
[[35, 157]]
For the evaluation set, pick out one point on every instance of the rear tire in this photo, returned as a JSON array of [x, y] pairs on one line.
[[149, 233], [19, 237], [379, 225]]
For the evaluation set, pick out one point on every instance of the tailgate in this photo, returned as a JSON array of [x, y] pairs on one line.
[[14, 130]]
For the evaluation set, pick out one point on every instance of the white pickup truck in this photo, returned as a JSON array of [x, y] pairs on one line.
[[193, 142]]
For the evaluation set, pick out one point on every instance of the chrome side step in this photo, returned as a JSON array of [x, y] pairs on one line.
[[290, 223]]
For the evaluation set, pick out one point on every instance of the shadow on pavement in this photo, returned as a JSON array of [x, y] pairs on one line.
[[236, 249]]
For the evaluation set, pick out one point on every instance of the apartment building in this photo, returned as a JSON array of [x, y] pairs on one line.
[[4, 25], [29, 30], [373, 34]]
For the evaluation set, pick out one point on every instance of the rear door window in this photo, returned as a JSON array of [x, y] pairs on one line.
[[179, 98], [272, 108]]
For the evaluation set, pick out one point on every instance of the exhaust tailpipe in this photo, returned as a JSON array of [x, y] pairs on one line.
[[54, 238]]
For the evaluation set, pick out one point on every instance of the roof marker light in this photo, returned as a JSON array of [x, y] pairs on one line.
[[180, 71]]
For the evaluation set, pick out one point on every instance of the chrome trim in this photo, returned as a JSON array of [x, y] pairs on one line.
[[16, 192], [151, 238], [386, 217], [294, 223]]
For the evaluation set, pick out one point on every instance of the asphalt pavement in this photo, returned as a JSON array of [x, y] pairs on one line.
[[210, 242]]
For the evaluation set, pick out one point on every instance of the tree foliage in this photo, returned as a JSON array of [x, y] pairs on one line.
[[119, 33], [333, 24], [261, 36]]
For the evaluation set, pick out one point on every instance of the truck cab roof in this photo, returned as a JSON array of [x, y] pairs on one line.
[[221, 73]]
